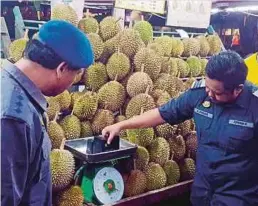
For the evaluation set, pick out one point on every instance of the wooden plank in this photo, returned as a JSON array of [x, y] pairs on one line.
[[19, 24], [154, 196], [5, 39]]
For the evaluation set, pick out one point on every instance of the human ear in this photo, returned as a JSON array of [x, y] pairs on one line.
[[239, 89], [61, 68]]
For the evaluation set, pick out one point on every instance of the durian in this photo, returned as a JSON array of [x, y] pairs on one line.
[[215, 44], [159, 150], [62, 168], [165, 130], [136, 183], [71, 126], [204, 46], [156, 177], [169, 66], [111, 96], [166, 43], [195, 66], [142, 137], [166, 82], [157, 48], [95, 76], [97, 45], [56, 133], [138, 83], [177, 147], [183, 68], [109, 27], [177, 47], [118, 66], [191, 47], [150, 60], [53, 108], [145, 30], [172, 171], [17, 47], [72, 196], [102, 119], [64, 12], [64, 100], [191, 144], [89, 25], [187, 169], [138, 103], [142, 158], [86, 106], [129, 42]]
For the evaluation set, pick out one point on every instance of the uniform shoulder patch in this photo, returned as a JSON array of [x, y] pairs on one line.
[[256, 93], [198, 84], [15, 104]]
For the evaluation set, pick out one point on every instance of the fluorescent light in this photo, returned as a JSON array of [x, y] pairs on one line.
[[244, 8], [215, 10]]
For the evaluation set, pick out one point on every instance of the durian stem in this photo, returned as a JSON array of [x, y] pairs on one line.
[[141, 110], [142, 18], [116, 77], [118, 19], [142, 68], [120, 111], [62, 144], [56, 116], [87, 14], [147, 89], [188, 154], [131, 24], [169, 69], [105, 107], [172, 155], [26, 36], [72, 112], [134, 164], [178, 75], [38, 15]]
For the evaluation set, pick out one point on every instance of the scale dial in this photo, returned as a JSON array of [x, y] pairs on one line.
[[108, 185]]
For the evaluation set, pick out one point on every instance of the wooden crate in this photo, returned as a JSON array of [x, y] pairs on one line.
[[155, 196]]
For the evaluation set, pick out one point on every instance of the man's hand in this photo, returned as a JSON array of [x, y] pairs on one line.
[[111, 131]]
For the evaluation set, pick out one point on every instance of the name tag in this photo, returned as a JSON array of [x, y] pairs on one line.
[[203, 113], [241, 123]]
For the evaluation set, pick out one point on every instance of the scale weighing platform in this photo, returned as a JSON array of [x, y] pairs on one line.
[[99, 175]]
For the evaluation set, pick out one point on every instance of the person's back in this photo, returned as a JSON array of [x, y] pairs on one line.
[[48, 68], [22, 115], [225, 110]]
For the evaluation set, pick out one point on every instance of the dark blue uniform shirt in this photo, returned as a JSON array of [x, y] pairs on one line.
[[25, 145], [227, 154]]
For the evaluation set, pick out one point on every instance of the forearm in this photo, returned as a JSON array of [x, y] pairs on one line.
[[150, 118]]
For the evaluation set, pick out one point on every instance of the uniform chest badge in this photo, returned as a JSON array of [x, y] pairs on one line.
[[206, 104]]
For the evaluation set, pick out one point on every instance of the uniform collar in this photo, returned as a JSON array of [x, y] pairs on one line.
[[26, 84], [244, 98]]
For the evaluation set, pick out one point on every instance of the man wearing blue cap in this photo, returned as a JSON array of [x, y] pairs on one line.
[[49, 66]]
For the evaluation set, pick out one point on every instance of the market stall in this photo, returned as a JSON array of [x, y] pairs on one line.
[[136, 69]]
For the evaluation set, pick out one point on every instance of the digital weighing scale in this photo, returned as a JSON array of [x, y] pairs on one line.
[[99, 176]]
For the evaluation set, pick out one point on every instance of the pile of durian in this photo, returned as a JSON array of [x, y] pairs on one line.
[[133, 73]]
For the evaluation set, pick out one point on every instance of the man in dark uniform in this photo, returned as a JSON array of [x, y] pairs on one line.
[[225, 110], [50, 64]]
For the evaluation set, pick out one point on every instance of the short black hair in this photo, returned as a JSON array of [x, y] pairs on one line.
[[227, 67], [43, 55]]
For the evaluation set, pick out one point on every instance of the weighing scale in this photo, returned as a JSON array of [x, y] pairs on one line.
[[99, 175]]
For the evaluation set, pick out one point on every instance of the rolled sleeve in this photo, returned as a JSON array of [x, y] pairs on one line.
[[180, 109], [14, 160]]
